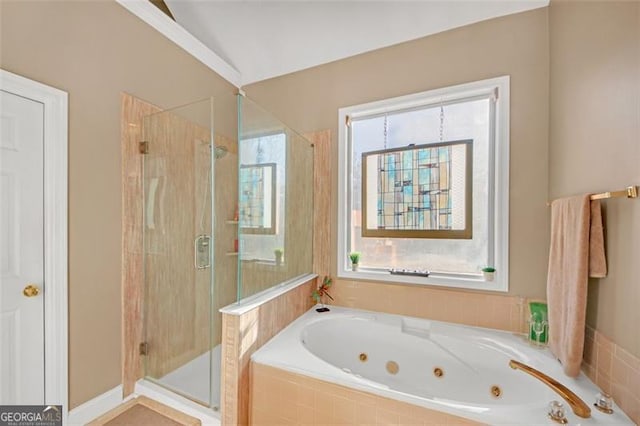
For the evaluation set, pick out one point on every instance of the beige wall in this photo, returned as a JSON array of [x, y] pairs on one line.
[[516, 45], [95, 50], [595, 142]]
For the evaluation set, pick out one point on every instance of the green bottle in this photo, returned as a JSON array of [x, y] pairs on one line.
[[538, 315]]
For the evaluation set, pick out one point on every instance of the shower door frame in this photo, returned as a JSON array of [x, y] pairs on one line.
[[210, 197]]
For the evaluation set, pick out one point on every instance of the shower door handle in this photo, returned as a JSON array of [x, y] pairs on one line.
[[202, 251]]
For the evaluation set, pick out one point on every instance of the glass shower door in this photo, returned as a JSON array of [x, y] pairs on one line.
[[178, 251]]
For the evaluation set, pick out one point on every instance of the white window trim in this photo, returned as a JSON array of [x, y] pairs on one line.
[[500, 208]]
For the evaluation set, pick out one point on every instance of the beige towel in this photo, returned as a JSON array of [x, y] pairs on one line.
[[597, 259], [569, 267]]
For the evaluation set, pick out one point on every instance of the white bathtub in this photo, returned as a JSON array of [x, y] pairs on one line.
[[329, 346]]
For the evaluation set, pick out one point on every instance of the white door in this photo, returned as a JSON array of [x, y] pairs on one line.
[[21, 250]]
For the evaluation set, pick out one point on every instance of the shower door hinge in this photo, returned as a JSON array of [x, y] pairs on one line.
[[144, 348], [143, 147]]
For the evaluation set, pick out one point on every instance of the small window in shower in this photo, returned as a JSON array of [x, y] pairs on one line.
[[262, 191], [258, 198]]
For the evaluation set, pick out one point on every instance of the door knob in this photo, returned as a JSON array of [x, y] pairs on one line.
[[31, 290]]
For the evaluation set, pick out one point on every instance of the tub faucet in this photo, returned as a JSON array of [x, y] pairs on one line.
[[579, 407]]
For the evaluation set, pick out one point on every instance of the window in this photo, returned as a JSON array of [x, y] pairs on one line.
[[424, 187], [258, 198], [261, 209], [418, 191]]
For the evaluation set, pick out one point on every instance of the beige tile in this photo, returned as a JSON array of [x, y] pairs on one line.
[[634, 383], [323, 401], [365, 414], [590, 332], [589, 353], [590, 372], [618, 393], [468, 309], [287, 391], [388, 404], [132, 112], [604, 357], [439, 306], [634, 409], [322, 201], [363, 398], [423, 303], [516, 317], [305, 397], [500, 314], [344, 410], [386, 417], [305, 415], [620, 372], [323, 417], [630, 360], [603, 381], [604, 341], [407, 420]]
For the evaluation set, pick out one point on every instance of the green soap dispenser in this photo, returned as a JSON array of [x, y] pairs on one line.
[[538, 322]]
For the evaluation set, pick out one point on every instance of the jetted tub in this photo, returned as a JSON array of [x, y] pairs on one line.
[[456, 369]]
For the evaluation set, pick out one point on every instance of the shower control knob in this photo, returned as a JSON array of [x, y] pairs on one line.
[[556, 412]]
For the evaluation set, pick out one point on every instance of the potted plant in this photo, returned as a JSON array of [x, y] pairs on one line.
[[322, 290], [489, 273], [278, 253], [355, 260]]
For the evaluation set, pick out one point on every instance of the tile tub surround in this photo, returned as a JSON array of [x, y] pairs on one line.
[[283, 398], [614, 370], [498, 311], [244, 334]]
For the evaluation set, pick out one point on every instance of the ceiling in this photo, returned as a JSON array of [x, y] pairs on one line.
[[269, 38]]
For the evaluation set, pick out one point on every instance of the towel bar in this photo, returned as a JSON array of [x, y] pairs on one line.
[[628, 192]]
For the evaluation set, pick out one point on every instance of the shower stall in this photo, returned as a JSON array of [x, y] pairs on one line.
[[227, 213]]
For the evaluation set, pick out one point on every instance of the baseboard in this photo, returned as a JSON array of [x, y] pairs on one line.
[[207, 416], [95, 407], [109, 400]]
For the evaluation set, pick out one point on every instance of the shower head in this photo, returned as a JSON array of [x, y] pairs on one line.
[[219, 152]]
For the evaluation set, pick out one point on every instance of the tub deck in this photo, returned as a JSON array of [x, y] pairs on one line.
[[433, 367]]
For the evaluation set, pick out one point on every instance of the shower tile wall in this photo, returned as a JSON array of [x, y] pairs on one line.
[[178, 312], [132, 111], [321, 201], [177, 307]]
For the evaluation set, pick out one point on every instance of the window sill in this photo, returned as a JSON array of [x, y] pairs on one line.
[[466, 281]]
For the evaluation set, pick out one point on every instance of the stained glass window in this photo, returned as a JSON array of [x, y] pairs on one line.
[[419, 191]]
